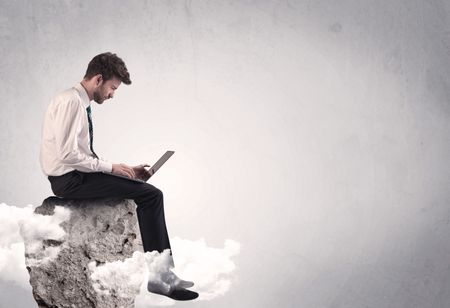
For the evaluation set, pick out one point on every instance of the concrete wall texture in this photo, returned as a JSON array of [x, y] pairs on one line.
[[316, 133]]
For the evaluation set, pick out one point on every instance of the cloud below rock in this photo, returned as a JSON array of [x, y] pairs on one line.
[[210, 268]]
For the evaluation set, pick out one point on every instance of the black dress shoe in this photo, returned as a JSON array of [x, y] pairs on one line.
[[179, 294], [183, 295]]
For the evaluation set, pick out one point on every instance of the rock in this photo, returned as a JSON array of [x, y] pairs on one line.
[[100, 230]]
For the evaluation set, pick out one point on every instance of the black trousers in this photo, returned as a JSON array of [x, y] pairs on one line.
[[148, 198]]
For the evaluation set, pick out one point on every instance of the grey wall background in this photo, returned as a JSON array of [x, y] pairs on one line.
[[315, 133]]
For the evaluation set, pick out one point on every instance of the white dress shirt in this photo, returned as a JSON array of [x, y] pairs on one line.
[[65, 136]]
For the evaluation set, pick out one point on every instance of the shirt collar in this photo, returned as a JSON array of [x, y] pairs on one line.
[[83, 94]]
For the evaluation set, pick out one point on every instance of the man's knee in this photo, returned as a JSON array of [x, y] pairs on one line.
[[154, 190], [150, 197], [151, 192]]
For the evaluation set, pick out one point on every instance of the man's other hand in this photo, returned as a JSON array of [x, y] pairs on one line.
[[141, 172], [124, 170]]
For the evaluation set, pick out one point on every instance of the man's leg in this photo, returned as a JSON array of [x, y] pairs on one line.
[[150, 212], [149, 200]]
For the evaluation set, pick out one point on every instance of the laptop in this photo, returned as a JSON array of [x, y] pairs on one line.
[[152, 169]]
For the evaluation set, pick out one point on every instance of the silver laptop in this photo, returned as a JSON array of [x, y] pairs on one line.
[[152, 169]]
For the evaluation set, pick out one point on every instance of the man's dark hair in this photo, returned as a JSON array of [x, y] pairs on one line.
[[109, 65]]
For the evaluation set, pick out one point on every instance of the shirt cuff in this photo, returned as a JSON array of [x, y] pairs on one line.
[[104, 166]]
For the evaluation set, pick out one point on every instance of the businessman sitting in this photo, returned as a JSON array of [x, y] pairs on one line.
[[74, 170]]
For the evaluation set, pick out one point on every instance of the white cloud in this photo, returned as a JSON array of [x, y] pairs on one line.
[[35, 228], [210, 268], [127, 277], [19, 223], [12, 264]]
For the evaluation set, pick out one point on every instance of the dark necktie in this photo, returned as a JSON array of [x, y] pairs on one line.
[[91, 130]]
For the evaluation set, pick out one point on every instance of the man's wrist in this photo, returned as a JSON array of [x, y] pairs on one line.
[[105, 166]]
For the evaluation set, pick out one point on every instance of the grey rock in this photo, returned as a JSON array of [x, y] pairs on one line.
[[101, 230]]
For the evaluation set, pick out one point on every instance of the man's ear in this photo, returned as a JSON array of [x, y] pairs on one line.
[[98, 79]]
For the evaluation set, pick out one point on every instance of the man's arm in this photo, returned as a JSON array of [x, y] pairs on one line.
[[125, 170], [67, 119]]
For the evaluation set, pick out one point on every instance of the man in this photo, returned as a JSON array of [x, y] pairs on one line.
[[67, 157]]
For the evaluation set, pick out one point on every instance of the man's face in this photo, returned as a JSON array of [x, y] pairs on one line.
[[105, 90]]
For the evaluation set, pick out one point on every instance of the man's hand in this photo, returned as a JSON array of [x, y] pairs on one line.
[[141, 172], [124, 170]]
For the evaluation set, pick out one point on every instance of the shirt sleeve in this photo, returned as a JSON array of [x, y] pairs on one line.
[[68, 118]]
